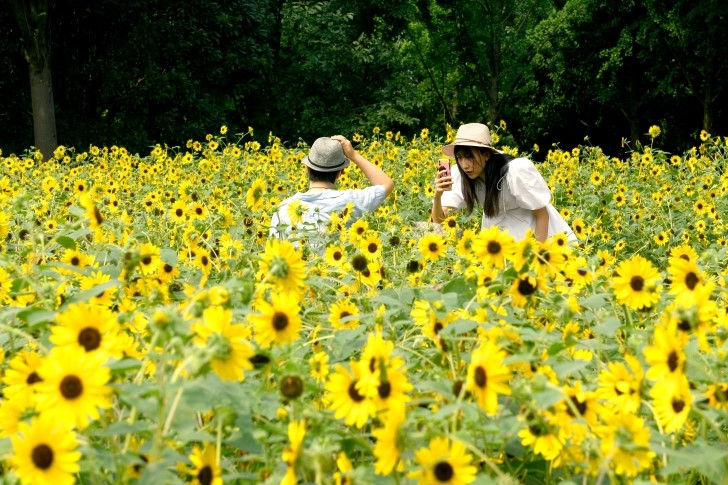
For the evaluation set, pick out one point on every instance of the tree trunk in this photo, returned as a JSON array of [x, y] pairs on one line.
[[32, 17], [44, 116]]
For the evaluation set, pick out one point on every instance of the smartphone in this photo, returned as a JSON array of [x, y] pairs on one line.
[[444, 164]]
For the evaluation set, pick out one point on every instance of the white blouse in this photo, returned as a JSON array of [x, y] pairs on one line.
[[523, 190]]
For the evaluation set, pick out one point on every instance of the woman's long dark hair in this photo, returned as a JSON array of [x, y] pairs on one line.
[[495, 168]]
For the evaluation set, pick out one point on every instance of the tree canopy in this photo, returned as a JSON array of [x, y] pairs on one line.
[[557, 71]]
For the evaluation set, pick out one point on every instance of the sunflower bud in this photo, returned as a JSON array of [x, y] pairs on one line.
[[291, 386]]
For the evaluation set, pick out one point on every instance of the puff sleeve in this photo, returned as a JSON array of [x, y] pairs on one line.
[[526, 184]]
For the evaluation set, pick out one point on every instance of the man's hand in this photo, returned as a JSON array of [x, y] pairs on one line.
[[345, 145]]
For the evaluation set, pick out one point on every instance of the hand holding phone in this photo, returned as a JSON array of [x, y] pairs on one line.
[[444, 165], [443, 171]]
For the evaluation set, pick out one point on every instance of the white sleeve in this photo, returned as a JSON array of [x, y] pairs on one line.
[[527, 185], [454, 198]]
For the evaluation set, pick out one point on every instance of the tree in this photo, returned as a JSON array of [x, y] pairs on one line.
[[33, 20]]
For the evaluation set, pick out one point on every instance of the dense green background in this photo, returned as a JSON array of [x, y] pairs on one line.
[[141, 72]]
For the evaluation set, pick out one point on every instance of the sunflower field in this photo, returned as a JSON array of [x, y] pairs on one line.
[[152, 332]]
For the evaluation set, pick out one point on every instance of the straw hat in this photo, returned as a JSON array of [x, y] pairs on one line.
[[470, 135], [326, 155]]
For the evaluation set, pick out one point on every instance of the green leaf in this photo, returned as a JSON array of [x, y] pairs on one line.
[[459, 327], [66, 242], [35, 316]]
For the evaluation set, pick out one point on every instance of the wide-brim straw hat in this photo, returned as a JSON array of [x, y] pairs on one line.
[[326, 155], [470, 135]]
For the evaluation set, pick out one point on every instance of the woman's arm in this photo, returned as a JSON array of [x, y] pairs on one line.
[[542, 223]]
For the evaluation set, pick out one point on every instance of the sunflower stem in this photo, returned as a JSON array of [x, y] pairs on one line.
[[172, 411], [218, 441]]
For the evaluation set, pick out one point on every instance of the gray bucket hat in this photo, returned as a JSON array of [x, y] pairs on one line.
[[326, 155]]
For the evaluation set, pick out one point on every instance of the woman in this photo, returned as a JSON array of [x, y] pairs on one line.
[[511, 191]]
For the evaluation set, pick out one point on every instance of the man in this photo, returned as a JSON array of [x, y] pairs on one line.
[[325, 161]]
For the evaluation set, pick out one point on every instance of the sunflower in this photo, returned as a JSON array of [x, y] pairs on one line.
[[335, 256], [672, 402], [444, 461], [371, 246], [205, 471], [666, 355], [179, 212], [88, 328], [686, 279], [684, 252], [149, 259], [358, 230], [488, 376], [717, 395], [579, 228], [104, 296], [283, 266], [343, 475], [432, 247], [77, 259], [278, 322], [493, 246], [13, 411], [543, 437], [621, 385], [21, 377], [44, 452], [367, 272], [74, 386], [526, 288], [465, 244], [319, 364], [344, 314], [290, 455], [626, 439], [635, 283], [231, 351], [254, 195], [386, 449], [344, 398]]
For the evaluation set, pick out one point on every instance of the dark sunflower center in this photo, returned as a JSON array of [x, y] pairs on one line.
[[354, 393], [372, 248], [75, 261], [359, 263], [204, 260], [198, 211], [494, 247], [525, 288], [344, 314], [32, 378], [579, 405], [691, 280], [168, 268], [413, 266], [438, 326], [42, 456], [684, 325], [433, 247], [337, 255], [685, 257], [146, 260], [384, 389], [672, 361], [637, 283], [205, 475], [280, 321], [71, 387], [179, 212], [480, 377], [678, 405], [443, 472], [89, 338]]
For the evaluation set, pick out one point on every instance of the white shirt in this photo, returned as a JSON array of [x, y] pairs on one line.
[[523, 190], [320, 205]]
